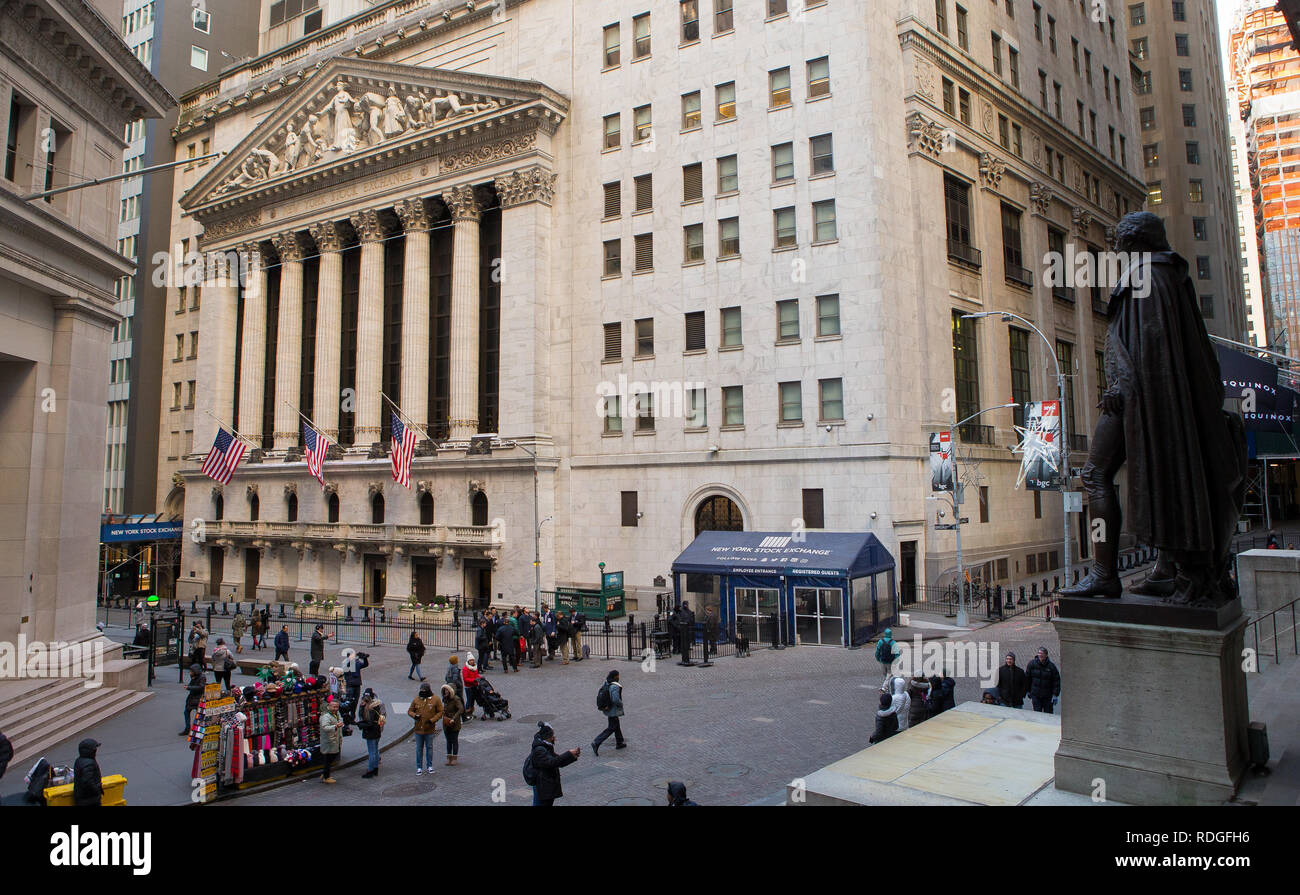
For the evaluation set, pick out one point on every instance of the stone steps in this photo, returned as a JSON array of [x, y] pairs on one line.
[[36, 718]]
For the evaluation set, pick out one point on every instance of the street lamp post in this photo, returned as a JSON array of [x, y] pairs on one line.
[[1007, 316]]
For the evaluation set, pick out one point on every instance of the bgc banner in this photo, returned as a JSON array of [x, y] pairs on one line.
[[941, 472], [1041, 451]]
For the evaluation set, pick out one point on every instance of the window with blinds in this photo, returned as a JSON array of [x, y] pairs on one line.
[[645, 252], [778, 84], [693, 244], [645, 337], [787, 320], [613, 341], [782, 162], [819, 77], [613, 258], [729, 238], [644, 192], [695, 331], [692, 182], [613, 200], [690, 110]]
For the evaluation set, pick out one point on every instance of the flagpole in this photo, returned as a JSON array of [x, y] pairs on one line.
[[308, 420], [402, 414], [238, 434]]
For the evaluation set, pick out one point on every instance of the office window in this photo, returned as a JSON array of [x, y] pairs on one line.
[[733, 405], [1074, 53], [176, 396], [1148, 118], [1042, 89], [1013, 66], [963, 39], [645, 412], [1056, 245], [997, 53], [613, 134], [1142, 83], [613, 258], [645, 337], [726, 101], [189, 392], [1195, 191], [965, 359], [824, 229], [1019, 354], [613, 415], [1012, 247], [693, 243], [640, 36], [1180, 11], [1189, 115], [778, 88], [830, 400], [776, 8], [641, 123], [613, 48], [1087, 66], [1056, 89], [984, 503], [1207, 306], [941, 16], [784, 227], [1038, 23], [1151, 155], [1051, 34], [814, 510], [1155, 193], [1193, 153], [819, 77], [202, 20], [198, 58], [695, 331], [180, 347], [957, 208], [692, 182], [194, 343], [1199, 229], [1181, 46], [787, 320], [644, 188], [690, 21], [1017, 141], [963, 106], [1202, 267], [1065, 357], [783, 163], [645, 252], [722, 22], [822, 150], [828, 315], [791, 400], [729, 238], [1137, 14], [613, 200], [691, 110], [1185, 80], [1004, 132], [728, 176], [696, 409], [730, 318], [613, 341]]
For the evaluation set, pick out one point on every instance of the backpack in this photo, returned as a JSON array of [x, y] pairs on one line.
[[228, 662], [604, 701], [530, 772], [885, 651]]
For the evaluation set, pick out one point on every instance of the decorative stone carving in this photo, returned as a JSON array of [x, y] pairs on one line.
[[1036, 151], [1082, 219], [424, 487], [287, 247], [462, 203], [924, 78], [218, 491], [290, 488], [414, 214], [475, 486], [236, 224], [369, 226], [178, 480], [376, 488], [986, 118], [1110, 237], [330, 488], [535, 184], [991, 170], [490, 152], [260, 165], [327, 235], [924, 135], [252, 491], [1040, 197]]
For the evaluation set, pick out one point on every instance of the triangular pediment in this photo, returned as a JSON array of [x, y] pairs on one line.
[[352, 110]]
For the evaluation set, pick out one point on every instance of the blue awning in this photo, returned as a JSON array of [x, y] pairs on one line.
[[849, 554]]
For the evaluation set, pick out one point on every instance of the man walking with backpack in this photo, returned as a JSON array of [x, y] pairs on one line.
[[609, 700], [885, 653]]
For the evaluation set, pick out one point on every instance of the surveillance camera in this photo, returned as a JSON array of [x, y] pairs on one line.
[[713, 449], [873, 514], [829, 427], [870, 417]]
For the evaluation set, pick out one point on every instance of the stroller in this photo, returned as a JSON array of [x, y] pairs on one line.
[[494, 704]]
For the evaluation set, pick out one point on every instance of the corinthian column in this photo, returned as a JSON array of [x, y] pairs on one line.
[[252, 352], [288, 344], [370, 326], [329, 328], [219, 322], [415, 311], [465, 213]]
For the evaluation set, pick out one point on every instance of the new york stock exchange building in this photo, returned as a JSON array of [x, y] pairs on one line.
[[648, 252]]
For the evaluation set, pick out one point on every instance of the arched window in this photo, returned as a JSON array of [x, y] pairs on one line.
[[718, 513], [218, 507], [333, 508], [426, 508], [293, 507], [479, 509], [254, 508], [377, 509]]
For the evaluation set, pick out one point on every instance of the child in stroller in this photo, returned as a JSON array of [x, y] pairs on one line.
[[494, 704]]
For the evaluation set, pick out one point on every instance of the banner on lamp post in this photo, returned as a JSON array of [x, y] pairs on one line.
[[1040, 449], [941, 472]]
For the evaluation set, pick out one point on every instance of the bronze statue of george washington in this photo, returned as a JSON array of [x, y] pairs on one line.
[[1163, 414]]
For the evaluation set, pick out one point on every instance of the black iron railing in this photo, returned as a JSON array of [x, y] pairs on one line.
[[1020, 275], [964, 253], [972, 433]]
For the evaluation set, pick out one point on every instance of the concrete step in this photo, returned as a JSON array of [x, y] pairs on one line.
[[52, 735], [52, 709], [16, 695]]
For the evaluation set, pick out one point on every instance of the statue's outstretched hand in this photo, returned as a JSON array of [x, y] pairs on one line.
[[1112, 402]]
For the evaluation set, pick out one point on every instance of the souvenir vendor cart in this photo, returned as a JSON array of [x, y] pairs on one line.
[[257, 734]]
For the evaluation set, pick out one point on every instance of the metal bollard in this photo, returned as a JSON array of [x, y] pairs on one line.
[[1056, 582], [349, 616], [224, 609], [1076, 576], [1033, 593]]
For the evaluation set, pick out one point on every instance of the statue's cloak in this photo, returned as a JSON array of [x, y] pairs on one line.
[[1185, 468]]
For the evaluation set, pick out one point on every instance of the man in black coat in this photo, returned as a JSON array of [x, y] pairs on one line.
[[317, 650], [1162, 413], [87, 785], [1044, 681], [1012, 684], [686, 627], [508, 644], [483, 643], [546, 764]]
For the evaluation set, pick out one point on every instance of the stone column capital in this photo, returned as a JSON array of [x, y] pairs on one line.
[[251, 252], [288, 247], [327, 235], [462, 203], [414, 214], [523, 185], [369, 226]]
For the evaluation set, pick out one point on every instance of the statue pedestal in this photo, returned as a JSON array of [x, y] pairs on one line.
[[1155, 710]]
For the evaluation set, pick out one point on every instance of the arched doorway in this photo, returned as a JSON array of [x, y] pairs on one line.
[[718, 513], [218, 508], [292, 511], [254, 508], [479, 509], [332, 508], [426, 508], [377, 509]]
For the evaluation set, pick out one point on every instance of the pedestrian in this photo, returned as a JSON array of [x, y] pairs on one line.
[[467, 678], [371, 719], [483, 642], [415, 649], [1012, 684], [87, 783], [899, 703], [331, 736], [238, 625], [674, 629], [536, 640], [317, 654], [551, 626], [198, 640], [918, 694], [258, 630], [885, 653], [508, 647], [141, 636], [886, 720], [223, 664], [1272, 542], [579, 628], [687, 624], [353, 664], [609, 700], [710, 632], [677, 796], [453, 710], [453, 675], [563, 634], [6, 754], [282, 644], [1044, 680], [266, 625], [542, 769], [426, 709], [193, 694], [942, 693]]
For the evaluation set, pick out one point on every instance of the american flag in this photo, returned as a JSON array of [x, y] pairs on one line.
[[316, 445], [224, 457], [403, 452]]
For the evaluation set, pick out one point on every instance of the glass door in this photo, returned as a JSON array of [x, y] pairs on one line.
[[756, 608], [819, 615]]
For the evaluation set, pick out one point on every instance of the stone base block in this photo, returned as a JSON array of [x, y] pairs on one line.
[[1157, 714], [1268, 579]]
